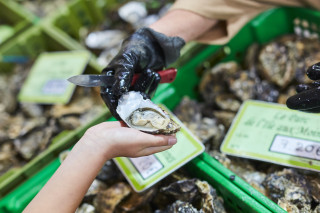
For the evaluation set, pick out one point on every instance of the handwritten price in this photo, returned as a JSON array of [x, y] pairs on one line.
[[296, 147], [308, 148]]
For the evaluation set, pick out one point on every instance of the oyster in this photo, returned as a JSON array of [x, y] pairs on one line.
[[242, 85], [288, 186], [193, 194], [86, 208], [227, 101], [107, 200], [144, 115], [69, 122], [110, 173], [265, 91], [224, 117], [205, 127], [179, 207], [95, 188], [7, 157], [214, 82], [278, 61], [138, 200]]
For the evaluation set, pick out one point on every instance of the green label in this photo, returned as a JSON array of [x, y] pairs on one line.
[[274, 133], [5, 32], [47, 81], [143, 172]]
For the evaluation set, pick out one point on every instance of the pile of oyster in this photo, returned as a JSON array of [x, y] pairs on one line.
[[26, 129], [269, 73], [42, 8], [122, 20], [178, 192]]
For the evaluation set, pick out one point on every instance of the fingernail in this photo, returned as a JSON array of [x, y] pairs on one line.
[[172, 141]]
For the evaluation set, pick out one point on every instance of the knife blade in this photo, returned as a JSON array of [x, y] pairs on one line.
[[91, 80], [167, 76]]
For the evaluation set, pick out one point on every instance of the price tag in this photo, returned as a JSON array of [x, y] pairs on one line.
[[296, 147], [278, 135], [144, 172], [47, 81], [147, 165]]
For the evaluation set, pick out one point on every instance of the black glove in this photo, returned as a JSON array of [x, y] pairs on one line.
[[308, 97], [145, 51]]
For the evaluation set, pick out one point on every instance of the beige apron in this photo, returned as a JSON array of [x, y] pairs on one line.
[[233, 14]]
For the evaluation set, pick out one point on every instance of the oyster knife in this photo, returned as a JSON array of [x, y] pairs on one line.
[[167, 76], [91, 80]]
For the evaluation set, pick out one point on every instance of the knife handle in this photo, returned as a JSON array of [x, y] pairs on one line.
[[167, 76]]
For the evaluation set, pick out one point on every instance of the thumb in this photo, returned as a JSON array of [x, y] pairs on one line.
[[124, 66], [123, 78]]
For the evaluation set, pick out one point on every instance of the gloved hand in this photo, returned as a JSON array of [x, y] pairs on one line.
[[145, 51], [308, 97]]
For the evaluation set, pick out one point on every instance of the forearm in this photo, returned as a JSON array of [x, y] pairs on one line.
[[67, 187], [182, 23]]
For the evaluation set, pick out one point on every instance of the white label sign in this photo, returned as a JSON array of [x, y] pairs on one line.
[[296, 147], [147, 165]]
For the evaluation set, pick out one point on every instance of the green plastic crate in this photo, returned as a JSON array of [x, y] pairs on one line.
[[69, 20], [236, 199], [31, 43], [238, 195], [262, 29], [16, 17], [79, 13]]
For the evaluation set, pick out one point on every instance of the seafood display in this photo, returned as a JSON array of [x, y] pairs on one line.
[[176, 193], [144, 115], [269, 73], [26, 129]]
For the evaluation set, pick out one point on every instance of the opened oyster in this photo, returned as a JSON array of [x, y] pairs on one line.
[[144, 115]]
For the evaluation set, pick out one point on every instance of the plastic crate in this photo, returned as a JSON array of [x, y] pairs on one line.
[[16, 17], [262, 29], [69, 20], [237, 200], [30, 44], [79, 13]]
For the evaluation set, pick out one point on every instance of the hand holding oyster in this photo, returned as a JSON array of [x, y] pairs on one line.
[[144, 115]]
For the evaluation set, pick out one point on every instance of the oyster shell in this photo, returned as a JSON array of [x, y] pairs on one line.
[[86, 208], [144, 115], [242, 85], [288, 186], [179, 207], [106, 201], [138, 200], [265, 91], [194, 194]]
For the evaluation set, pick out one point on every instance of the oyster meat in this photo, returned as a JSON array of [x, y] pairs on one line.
[[144, 115]]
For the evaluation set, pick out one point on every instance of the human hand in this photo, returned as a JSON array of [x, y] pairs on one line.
[[145, 51], [114, 139], [99, 144], [308, 97]]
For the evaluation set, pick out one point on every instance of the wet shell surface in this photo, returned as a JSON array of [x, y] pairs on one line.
[[144, 115]]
